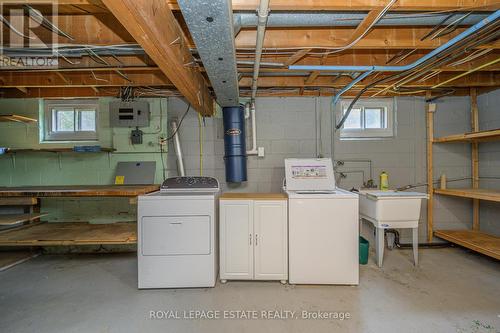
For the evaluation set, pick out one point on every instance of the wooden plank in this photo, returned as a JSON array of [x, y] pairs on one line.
[[79, 233], [310, 79], [154, 27], [363, 26], [253, 196], [481, 136], [474, 157], [79, 79], [343, 5], [296, 57], [13, 219], [21, 201], [78, 191], [381, 38], [474, 240], [471, 193], [12, 258], [474, 80], [16, 118], [56, 150], [430, 168]]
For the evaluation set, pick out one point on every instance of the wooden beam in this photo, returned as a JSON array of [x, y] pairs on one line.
[[374, 58], [483, 79], [79, 79], [474, 157], [401, 5], [378, 38], [93, 29], [69, 91], [155, 28], [363, 26], [296, 57], [430, 168], [310, 79], [24, 90]]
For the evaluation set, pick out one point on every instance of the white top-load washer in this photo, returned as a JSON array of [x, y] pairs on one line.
[[323, 229], [177, 234]]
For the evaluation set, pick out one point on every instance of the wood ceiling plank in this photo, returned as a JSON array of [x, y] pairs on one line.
[[378, 38], [401, 5], [79, 79], [154, 27]]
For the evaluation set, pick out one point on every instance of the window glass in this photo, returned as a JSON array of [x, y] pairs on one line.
[[354, 119], [87, 120], [64, 120], [373, 118]]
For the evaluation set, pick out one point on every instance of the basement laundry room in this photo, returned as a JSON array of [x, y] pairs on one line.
[[250, 165]]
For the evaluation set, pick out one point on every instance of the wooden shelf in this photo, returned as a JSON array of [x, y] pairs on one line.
[[78, 191], [58, 150], [480, 136], [75, 233], [21, 201], [13, 219], [474, 240], [481, 194], [16, 118]]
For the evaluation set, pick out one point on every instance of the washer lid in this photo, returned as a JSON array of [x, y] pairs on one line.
[[309, 174]]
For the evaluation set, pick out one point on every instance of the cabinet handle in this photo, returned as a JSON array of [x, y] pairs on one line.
[[256, 238], [250, 238]]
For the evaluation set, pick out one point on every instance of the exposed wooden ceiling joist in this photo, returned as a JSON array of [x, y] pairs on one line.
[[401, 5], [485, 79], [78, 79], [379, 38], [154, 27]]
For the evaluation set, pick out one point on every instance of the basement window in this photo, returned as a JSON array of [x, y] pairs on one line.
[[372, 118], [70, 120]]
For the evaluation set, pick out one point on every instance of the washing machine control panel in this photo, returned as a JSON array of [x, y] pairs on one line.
[[190, 183]]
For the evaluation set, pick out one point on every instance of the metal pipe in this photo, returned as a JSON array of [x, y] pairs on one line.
[[340, 19], [261, 30], [254, 150], [350, 85], [493, 17], [178, 149]]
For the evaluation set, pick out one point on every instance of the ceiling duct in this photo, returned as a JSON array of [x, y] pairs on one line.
[[210, 23]]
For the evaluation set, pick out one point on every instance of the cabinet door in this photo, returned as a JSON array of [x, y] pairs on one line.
[[236, 239], [270, 243]]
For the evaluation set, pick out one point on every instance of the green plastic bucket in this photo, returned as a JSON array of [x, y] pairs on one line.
[[363, 250]]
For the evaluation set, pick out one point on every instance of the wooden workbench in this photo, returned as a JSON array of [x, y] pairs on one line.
[[80, 233], [78, 191]]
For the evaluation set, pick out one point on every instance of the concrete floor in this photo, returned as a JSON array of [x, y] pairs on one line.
[[452, 291]]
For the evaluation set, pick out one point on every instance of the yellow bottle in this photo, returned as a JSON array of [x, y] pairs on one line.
[[384, 181]]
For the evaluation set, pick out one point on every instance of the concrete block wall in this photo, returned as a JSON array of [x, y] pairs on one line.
[[288, 127], [489, 161], [76, 168]]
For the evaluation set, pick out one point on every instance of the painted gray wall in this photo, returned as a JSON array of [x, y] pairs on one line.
[[489, 160], [288, 127]]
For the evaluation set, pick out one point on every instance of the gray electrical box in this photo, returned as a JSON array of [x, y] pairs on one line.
[[129, 114]]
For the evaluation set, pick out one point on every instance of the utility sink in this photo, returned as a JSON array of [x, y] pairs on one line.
[[393, 209]]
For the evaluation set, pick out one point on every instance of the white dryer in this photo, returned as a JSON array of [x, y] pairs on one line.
[[323, 226], [176, 234]]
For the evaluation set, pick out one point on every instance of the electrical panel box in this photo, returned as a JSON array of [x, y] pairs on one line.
[[129, 114]]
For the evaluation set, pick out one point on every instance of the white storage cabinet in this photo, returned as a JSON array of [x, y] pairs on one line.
[[253, 237]]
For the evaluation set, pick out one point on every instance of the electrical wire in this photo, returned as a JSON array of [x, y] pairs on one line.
[[180, 123], [467, 73], [363, 34]]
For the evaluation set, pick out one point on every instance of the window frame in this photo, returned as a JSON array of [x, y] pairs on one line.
[[387, 118], [75, 105]]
